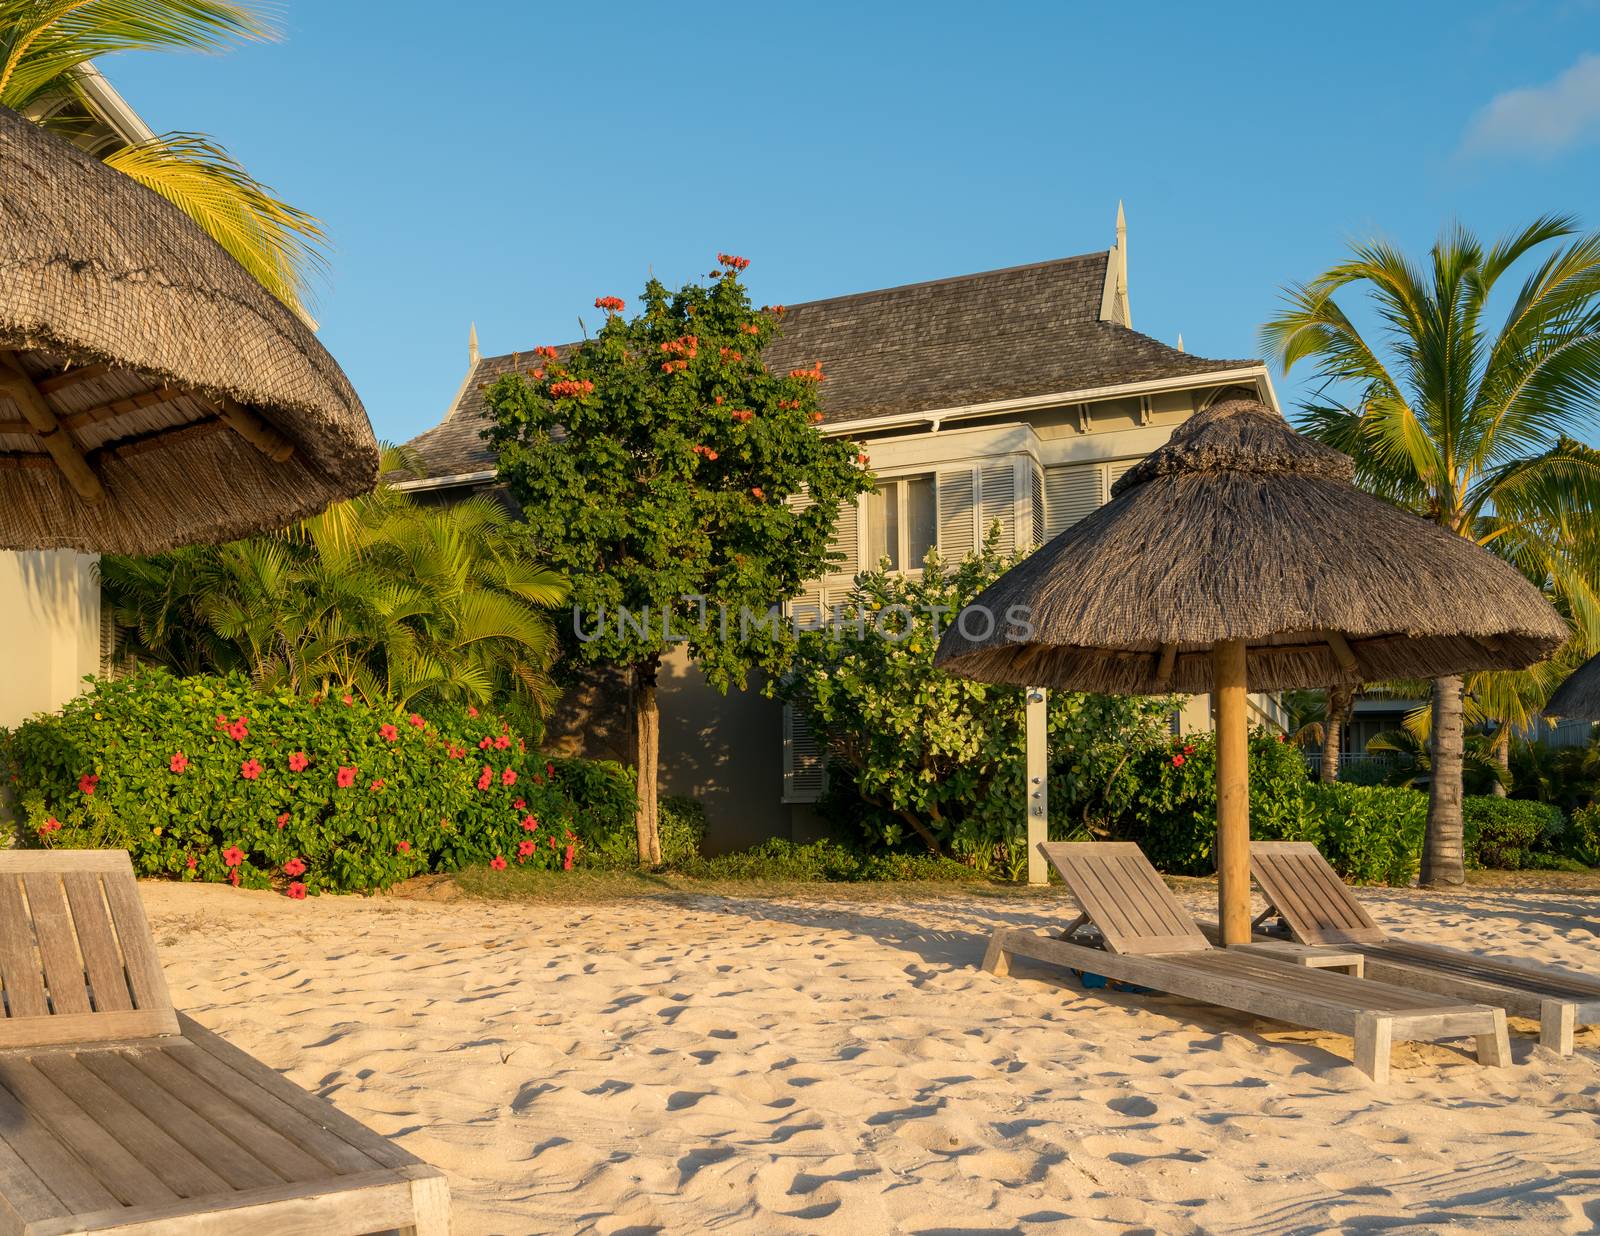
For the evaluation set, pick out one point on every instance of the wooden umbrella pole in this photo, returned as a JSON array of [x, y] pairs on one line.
[[1233, 792]]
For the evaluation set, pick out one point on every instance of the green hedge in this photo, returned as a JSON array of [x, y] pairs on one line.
[[1370, 834], [1511, 833], [205, 778]]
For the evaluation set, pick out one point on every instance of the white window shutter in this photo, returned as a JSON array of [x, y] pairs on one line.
[[1036, 533], [1071, 491], [997, 502], [956, 511], [847, 539], [1114, 473], [805, 768]]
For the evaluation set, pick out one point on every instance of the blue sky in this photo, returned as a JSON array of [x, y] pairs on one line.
[[507, 162]]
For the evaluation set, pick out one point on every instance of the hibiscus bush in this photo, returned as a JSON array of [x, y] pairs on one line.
[[207, 778]]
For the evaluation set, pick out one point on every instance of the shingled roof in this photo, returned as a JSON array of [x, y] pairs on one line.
[[1003, 334]]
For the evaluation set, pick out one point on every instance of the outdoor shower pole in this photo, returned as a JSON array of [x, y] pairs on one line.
[[1037, 769], [1233, 792]]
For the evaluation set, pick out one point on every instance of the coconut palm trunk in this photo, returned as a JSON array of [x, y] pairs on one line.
[[1333, 733], [1443, 847]]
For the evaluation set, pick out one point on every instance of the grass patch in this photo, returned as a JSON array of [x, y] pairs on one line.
[[516, 884]]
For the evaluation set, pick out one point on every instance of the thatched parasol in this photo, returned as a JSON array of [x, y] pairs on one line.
[[1240, 553], [151, 392], [1578, 698]]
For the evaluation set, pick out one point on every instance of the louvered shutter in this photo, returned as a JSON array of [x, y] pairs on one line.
[[108, 641], [1114, 473], [956, 527], [997, 502], [1036, 497], [1071, 491], [847, 540], [804, 766]]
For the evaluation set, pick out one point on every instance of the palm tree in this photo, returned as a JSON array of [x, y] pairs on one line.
[[1465, 424], [47, 54], [382, 596]]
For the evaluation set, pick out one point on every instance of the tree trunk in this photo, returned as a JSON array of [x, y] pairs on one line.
[[1443, 858], [646, 758], [1502, 757], [1333, 733]]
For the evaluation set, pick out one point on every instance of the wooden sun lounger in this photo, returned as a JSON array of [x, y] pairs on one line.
[[1150, 940], [1308, 895], [119, 1114]]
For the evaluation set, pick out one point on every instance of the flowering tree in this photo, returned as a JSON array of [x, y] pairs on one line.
[[655, 464]]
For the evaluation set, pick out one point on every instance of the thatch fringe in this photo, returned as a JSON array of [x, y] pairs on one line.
[[95, 270]]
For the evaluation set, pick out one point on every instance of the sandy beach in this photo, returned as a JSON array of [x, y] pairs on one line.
[[841, 1065]]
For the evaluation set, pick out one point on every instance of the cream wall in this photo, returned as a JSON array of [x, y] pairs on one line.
[[49, 630]]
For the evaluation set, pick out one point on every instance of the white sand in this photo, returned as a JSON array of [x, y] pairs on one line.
[[843, 1066]]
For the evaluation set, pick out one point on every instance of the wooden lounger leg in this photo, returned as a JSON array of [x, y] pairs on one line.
[[1557, 1021], [995, 960], [1374, 1036], [1495, 1049], [430, 1198]]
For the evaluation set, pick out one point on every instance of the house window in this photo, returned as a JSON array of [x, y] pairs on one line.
[[902, 522]]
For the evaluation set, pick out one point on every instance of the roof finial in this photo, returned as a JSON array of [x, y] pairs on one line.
[[1122, 226], [472, 344], [1180, 341]]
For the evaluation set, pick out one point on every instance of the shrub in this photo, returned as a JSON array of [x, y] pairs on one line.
[[1582, 838], [682, 827], [1509, 833], [923, 760], [1369, 834], [206, 778], [1173, 811]]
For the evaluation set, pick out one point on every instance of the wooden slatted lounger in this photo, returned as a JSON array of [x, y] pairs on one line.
[[1149, 939], [1308, 895], [119, 1114]]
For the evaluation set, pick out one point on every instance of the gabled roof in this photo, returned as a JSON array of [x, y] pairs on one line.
[[1022, 332]]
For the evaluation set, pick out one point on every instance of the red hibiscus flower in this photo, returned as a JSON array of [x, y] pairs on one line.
[[178, 762], [524, 849], [471, 711], [403, 846], [377, 784], [298, 761], [550, 770], [485, 777], [1177, 761], [233, 856], [519, 804], [485, 743], [283, 819], [239, 730], [498, 862], [1188, 750], [88, 783], [347, 777], [294, 867], [349, 699], [755, 492], [455, 752], [529, 824], [417, 722], [502, 742], [566, 859], [388, 733], [233, 878], [250, 770], [295, 891], [509, 777], [50, 825], [221, 723], [190, 862]]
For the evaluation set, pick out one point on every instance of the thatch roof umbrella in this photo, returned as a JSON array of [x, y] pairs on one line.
[[151, 392], [1241, 553], [1578, 697]]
